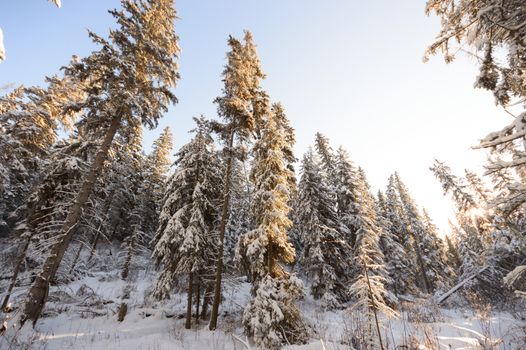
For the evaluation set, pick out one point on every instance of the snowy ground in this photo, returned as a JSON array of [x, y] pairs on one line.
[[82, 315]]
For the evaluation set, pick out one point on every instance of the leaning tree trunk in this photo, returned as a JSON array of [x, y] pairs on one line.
[[18, 266], [38, 293], [222, 228]]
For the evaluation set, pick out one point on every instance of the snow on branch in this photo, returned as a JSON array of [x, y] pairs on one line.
[[58, 3], [2, 49]]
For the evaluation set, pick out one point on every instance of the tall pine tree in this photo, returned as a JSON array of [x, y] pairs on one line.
[[271, 316], [130, 79]]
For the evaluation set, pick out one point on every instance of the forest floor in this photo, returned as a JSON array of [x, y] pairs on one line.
[[83, 315]]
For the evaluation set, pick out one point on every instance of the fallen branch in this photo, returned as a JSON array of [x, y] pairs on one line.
[[245, 343], [461, 284]]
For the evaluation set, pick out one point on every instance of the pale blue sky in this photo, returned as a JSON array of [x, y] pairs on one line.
[[350, 69]]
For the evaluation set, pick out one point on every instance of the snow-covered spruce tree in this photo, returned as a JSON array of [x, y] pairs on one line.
[[122, 177], [394, 212], [435, 250], [240, 218], [489, 231], [491, 29], [494, 31], [477, 186], [327, 159], [138, 190], [452, 242], [429, 275], [237, 108], [396, 263], [136, 242], [288, 153], [452, 184], [325, 258], [29, 122], [368, 289], [130, 78], [159, 159], [48, 204], [159, 164], [186, 240], [473, 228], [271, 316], [346, 200], [134, 193]]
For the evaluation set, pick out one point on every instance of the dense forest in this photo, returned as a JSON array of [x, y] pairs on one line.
[[232, 232]]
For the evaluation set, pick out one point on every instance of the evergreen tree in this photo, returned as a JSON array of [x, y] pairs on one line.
[[368, 288], [415, 228], [346, 177], [288, 153], [494, 31], [240, 218], [48, 204], [435, 251], [368, 258], [29, 122], [484, 26], [158, 165], [474, 238], [328, 159], [129, 83], [238, 106], [396, 262], [271, 316], [397, 227], [325, 255], [477, 186], [160, 158], [132, 196], [186, 242], [452, 184]]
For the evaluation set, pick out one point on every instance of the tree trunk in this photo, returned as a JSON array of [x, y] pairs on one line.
[[126, 267], [38, 293], [206, 301], [18, 267], [123, 310], [197, 301], [188, 323], [427, 285], [222, 227], [374, 307]]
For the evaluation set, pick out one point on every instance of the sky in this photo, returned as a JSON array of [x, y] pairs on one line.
[[352, 70]]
